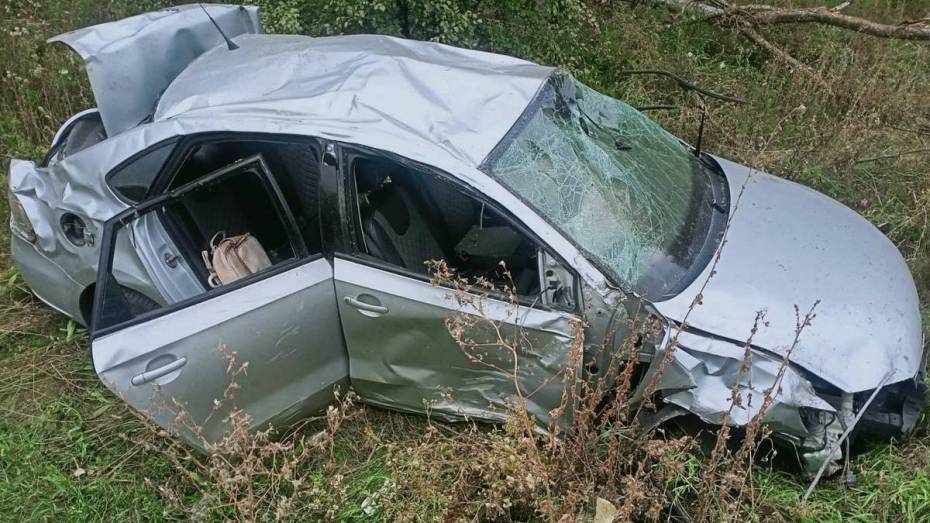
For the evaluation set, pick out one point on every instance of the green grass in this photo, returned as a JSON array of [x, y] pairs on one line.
[[70, 451]]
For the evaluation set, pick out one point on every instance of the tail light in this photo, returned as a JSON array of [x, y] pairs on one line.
[[19, 220]]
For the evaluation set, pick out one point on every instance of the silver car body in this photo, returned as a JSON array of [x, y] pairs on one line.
[[446, 108]]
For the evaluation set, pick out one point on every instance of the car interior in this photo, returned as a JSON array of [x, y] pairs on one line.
[[241, 204], [294, 165], [408, 218]]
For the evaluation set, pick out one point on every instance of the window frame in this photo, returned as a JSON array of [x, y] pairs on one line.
[[117, 223], [108, 177], [183, 146], [351, 248], [188, 143]]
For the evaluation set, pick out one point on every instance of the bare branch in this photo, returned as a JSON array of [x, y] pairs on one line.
[[692, 7], [914, 30], [761, 14]]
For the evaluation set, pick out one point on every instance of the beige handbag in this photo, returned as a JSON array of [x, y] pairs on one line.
[[233, 258]]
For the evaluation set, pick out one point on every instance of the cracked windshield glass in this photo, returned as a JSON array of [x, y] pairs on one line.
[[627, 192]]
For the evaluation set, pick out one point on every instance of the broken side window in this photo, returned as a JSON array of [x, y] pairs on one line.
[[624, 190], [78, 133]]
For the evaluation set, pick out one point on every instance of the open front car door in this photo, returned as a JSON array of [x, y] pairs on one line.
[[186, 340]]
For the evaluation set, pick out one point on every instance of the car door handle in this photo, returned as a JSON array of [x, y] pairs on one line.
[[376, 308], [158, 372]]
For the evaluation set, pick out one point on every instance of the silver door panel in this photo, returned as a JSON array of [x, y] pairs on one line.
[[403, 357], [285, 327], [170, 272]]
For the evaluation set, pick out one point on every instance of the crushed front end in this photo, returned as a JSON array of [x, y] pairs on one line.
[[724, 382]]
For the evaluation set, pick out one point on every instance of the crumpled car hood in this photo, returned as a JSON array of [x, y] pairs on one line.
[[789, 246]]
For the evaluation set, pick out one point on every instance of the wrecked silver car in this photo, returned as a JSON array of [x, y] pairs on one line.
[[279, 196]]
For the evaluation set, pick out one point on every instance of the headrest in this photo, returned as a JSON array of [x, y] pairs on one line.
[[371, 173], [391, 205]]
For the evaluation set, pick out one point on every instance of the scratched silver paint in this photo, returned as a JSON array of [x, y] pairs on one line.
[[448, 108], [438, 374]]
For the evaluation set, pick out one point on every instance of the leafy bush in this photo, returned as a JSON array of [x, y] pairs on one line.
[[282, 16], [448, 21]]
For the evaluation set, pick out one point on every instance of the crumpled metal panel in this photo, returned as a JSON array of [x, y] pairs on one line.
[[704, 373], [428, 94], [439, 377], [131, 61], [73, 185], [789, 245], [48, 193]]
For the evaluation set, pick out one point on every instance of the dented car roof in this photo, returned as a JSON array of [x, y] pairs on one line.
[[463, 100]]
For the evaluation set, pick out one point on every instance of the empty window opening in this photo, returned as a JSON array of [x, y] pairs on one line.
[[133, 180], [408, 218], [294, 165], [222, 229], [200, 220]]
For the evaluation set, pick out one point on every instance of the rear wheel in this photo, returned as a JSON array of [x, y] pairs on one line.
[[137, 302]]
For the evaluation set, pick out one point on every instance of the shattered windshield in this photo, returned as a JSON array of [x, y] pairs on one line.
[[624, 190]]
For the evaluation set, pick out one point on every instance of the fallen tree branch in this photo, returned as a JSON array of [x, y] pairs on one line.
[[693, 7], [761, 14], [746, 19], [916, 30]]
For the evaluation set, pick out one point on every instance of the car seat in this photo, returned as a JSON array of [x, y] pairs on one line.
[[394, 227]]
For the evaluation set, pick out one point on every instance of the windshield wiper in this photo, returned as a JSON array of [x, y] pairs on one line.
[[687, 86]]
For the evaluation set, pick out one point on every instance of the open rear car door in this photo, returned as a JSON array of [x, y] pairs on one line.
[[269, 343]]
